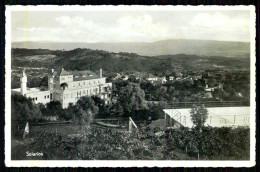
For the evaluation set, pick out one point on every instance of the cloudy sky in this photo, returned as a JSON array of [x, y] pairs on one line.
[[130, 26]]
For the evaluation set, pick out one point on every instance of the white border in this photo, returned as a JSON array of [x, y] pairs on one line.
[[126, 163]]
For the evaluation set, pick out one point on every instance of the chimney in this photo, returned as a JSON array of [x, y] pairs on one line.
[[52, 70], [100, 73]]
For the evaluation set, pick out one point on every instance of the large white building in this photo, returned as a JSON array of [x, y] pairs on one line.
[[67, 87]]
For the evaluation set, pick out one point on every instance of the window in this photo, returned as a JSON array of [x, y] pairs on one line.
[[33, 99], [79, 83], [44, 97], [66, 96], [84, 83], [84, 90], [48, 96], [36, 98]]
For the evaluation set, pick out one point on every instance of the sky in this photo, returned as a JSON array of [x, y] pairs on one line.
[[129, 26]]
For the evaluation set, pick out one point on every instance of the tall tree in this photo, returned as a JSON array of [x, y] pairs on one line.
[[199, 115]]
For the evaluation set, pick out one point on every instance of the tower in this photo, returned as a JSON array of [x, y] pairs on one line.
[[23, 82], [100, 73], [51, 80]]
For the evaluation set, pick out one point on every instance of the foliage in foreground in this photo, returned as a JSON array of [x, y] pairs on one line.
[[223, 143], [144, 144]]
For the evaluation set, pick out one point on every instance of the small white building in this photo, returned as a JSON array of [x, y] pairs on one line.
[[152, 78], [38, 95], [171, 78]]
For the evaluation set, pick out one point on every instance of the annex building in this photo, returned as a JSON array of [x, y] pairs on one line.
[[67, 87]]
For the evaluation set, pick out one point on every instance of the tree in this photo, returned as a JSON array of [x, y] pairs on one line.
[[53, 108], [100, 103], [199, 115], [131, 98], [87, 103], [68, 113], [23, 110], [85, 110]]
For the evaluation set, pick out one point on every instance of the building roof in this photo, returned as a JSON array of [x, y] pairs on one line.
[[83, 75], [217, 116], [151, 76], [63, 72], [32, 90], [79, 75]]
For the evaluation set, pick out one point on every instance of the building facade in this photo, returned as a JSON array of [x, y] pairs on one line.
[[67, 87]]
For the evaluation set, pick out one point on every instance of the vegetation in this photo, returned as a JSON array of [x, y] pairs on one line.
[[212, 143], [83, 59], [144, 144], [199, 115], [88, 141], [23, 109]]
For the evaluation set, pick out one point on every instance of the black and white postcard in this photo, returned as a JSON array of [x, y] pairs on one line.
[[130, 86]]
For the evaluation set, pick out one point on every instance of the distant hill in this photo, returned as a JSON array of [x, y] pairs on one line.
[[83, 59], [165, 47]]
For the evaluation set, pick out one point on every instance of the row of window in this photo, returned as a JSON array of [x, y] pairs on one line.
[[84, 83], [45, 97], [81, 93], [63, 78]]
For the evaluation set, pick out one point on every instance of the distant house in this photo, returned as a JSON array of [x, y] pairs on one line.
[[125, 78], [118, 76], [211, 89], [162, 80], [197, 76], [152, 78], [171, 78]]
